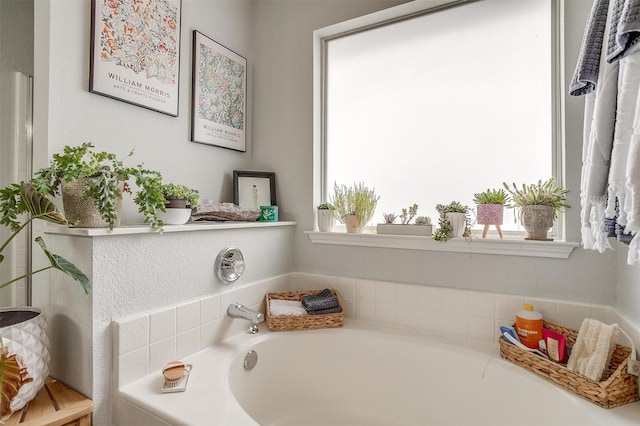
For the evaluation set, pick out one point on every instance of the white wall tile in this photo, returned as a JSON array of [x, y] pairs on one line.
[[162, 324], [187, 343], [386, 292], [480, 329], [162, 352], [431, 321], [133, 333], [409, 317], [454, 301], [133, 366], [430, 298], [346, 287], [365, 310], [188, 316], [481, 304], [366, 290], [386, 313], [454, 325], [408, 295], [210, 309]]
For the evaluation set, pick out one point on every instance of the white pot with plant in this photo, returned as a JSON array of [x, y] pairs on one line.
[[490, 209], [354, 205], [179, 202], [326, 217], [24, 357], [454, 221], [538, 206], [92, 183]]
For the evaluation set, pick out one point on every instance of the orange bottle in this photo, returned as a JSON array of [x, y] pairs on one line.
[[529, 326]]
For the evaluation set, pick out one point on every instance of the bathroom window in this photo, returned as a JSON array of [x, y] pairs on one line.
[[438, 106]]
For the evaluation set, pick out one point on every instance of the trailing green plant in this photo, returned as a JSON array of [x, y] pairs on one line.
[[389, 217], [492, 196], [423, 220], [326, 206], [104, 172], [408, 214], [541, 193], [358, 200], [17, 200], [174, 190], [445, 230]]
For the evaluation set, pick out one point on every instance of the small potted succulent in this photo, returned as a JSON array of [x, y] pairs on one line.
[[490, 208], [326, 217], [92, 183], [454, 221], [407, 215], [538, 205], [179, 202], [354, 205]]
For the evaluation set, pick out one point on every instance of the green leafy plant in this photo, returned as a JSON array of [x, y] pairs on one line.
[[423, 220], [492, 196], [104, 172], [15, 200], [445, 231], [452, 207], [179, 191], [358, 200], [541, 193], [407, 214]]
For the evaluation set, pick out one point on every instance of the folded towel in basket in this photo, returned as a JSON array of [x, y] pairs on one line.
[[286, 307], [335, 310], [592, 351], [320, 301]]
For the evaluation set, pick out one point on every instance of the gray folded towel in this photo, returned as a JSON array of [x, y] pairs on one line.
[[335, 310], [320, 301]]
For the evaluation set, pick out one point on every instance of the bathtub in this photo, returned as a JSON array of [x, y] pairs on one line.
[[361, 375]]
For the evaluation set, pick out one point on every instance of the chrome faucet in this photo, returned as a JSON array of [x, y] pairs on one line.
[[236, 310]]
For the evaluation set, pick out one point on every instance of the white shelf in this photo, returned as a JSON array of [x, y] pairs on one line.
[[146, 229], [508, 247]]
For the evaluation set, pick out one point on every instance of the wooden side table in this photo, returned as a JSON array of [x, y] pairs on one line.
[[55, 405]]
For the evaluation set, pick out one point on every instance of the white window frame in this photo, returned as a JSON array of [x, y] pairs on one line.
[[407, 11]]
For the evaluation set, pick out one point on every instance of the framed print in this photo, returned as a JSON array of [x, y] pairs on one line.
[[254, 189], [135, 52], [219, 100]]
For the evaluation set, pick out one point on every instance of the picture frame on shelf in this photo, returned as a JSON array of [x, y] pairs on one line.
[[219, 95], [254, 189], [135, 52]]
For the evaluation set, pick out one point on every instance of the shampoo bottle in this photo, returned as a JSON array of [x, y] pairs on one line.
[[529, 326]]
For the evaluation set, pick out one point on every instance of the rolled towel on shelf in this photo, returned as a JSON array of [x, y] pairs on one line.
[[286, 308], [320, 301], [592, 351]]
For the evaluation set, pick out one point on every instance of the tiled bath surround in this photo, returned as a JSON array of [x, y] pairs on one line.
[[147, 341]]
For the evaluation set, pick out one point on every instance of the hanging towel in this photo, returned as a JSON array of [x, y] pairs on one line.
[[613, 228], [286, 307], [585, 77], [323, 300], [596, 156], [592, 351], [625, 29]]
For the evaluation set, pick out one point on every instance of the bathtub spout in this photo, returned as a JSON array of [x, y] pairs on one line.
[[236, 310]]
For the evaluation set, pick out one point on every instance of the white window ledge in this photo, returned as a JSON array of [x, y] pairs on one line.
[[508, 247], [145, 229]]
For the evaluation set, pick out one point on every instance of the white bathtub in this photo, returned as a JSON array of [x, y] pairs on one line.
[[360, 375]]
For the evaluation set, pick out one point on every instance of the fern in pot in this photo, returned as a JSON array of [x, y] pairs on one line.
[[92, 184], [538, 205], [354, 205], [490, 208]]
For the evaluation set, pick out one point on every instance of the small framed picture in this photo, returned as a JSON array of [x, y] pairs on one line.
[[219, 99], [135, 52], [254, 189]]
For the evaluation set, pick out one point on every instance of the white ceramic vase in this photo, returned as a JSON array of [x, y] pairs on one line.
[[536, 220], [326, 220], [458, 222]]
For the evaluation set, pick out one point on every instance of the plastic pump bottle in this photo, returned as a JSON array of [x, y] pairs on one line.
[[529, 326]]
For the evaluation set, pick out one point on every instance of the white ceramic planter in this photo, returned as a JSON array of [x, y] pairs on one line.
[[399, 229], [26, 363], [175, 216], [458, 222], [536, 220], [326, 221]]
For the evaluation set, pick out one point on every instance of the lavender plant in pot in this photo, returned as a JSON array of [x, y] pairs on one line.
[[24, 353], [490, 209], [354, 205]]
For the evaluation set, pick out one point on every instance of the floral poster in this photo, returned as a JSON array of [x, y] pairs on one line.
[[135, 52], [219, 95]]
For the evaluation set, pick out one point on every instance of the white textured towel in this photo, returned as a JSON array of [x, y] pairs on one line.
[[592, 351], [286, 307]]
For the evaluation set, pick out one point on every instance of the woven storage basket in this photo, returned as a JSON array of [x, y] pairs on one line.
[[83, 211], [301, 322], [617, 388]]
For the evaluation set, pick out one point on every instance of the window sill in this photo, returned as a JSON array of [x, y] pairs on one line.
[[145, 229], [508, 247]]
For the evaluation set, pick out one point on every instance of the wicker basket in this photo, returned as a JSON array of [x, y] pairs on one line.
[[617, 388], [301, 322]]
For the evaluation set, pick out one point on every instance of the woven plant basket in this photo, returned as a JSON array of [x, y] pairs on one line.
[[301, 322], [83, 211], [618, 386]]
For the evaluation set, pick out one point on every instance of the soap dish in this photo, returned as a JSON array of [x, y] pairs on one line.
[[179, 385]]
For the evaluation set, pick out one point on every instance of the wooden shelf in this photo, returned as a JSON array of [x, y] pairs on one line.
[[54, 405]]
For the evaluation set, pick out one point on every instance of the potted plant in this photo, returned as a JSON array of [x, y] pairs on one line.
[[454, 221], [24, 357], [490, 208], [538, 205], [405, 227], [179, 201], [326, 217], [354, 205], [92, 182]]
